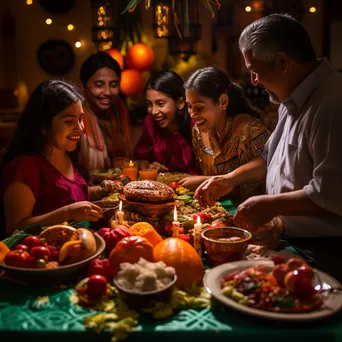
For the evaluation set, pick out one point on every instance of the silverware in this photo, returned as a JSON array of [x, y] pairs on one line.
[[331, 290], [324, 288]]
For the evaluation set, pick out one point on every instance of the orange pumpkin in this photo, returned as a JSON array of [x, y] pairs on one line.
[[183, 257], [130, 249], [147, 231], [116, 54], [132, 82], [140, 57]]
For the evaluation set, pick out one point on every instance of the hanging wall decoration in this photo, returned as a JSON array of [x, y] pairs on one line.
[[132, 82], [56, 57], [140, 57], [178, 21], [187, 30], [161, 19], [104, 13], [116, 54]]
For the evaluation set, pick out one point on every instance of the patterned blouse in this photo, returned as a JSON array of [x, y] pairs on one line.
[[242, 140]]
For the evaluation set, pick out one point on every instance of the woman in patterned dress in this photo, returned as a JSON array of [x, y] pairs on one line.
[[227, 132]]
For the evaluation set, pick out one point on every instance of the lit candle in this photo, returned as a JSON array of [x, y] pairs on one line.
[[197, 236], [175, 223], [131, 170], [120, 214]]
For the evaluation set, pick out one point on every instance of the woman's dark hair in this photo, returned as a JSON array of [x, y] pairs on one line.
[[95, 62], [172, 85], [47, 100], [212, 82]]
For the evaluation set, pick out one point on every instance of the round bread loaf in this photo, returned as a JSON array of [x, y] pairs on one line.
[[148, 191]]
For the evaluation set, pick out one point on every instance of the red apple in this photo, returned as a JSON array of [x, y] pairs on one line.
[[299, 280], [40, 252], [31, 241], [295, 263]]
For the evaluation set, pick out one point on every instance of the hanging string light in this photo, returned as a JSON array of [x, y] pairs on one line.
[[161, 20], [103, 25]]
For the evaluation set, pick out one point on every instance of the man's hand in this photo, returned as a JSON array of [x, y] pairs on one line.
[[254, 212]]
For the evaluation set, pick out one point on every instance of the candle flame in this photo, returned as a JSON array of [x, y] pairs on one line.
[[131, 163], [198, 219], [120, 205], [175, 213]]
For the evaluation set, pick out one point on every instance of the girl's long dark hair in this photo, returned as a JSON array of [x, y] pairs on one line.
[[212, 82], [172, 85], [47, 100]]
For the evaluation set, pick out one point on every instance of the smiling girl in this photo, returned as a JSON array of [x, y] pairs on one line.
[[42, 180], [166, 135], [226, 133]]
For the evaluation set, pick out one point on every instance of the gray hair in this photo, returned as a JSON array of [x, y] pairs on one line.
[[268, 35]]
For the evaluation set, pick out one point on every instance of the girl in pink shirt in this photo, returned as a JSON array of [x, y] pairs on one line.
[[166, 135], [42, 180]]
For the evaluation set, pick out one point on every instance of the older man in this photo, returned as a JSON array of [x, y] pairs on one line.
[[302, 161]]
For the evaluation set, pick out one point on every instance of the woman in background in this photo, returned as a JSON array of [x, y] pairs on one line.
[[166, 135], [42, 180], [106, 123], [226, 133]]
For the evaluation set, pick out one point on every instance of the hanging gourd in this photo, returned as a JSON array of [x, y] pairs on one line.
[[115, 54], [132, 82], [140, 57]]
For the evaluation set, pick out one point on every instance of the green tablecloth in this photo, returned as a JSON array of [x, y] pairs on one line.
[[228, 205], [59, 320]]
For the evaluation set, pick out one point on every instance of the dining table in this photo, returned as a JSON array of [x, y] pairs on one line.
[[44, 312]]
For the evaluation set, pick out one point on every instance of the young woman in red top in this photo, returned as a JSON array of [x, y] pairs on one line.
[[166, 135], [42, 180]]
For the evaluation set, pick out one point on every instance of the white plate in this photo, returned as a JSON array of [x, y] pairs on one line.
[[213, 282]]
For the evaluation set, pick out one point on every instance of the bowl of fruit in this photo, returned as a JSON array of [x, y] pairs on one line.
[[57, 252]]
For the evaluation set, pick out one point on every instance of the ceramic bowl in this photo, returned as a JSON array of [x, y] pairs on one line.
[[55, 275], [140, 300], [221, 248]]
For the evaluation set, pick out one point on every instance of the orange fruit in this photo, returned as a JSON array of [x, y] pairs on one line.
[[3, 251], [65, 249]]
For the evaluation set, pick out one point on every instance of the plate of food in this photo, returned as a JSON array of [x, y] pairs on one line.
[[290, 291], [57, 251]]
